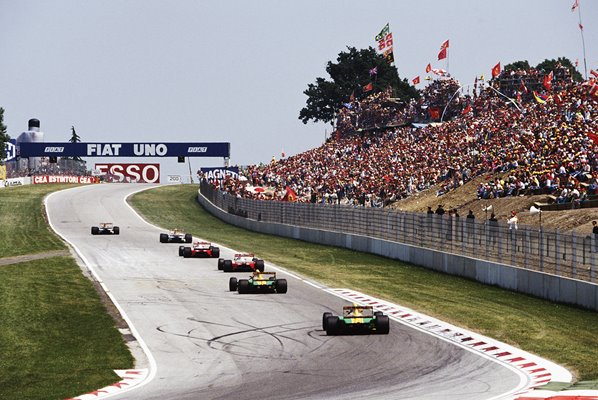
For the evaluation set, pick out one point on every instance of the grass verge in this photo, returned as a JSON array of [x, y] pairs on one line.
[[56, 337], [566, 335]]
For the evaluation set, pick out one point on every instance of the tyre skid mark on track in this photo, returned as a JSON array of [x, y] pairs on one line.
[[537, 371]]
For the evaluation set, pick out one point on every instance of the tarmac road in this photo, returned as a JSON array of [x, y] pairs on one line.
[[209, 343]]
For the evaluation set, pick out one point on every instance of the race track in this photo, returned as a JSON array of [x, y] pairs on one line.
[[209, 343]]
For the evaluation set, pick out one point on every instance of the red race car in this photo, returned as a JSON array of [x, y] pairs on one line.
[[241, 262], [200, 249]]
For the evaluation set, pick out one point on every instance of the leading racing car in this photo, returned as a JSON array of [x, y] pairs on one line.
[[200, 249], [258, 282], [241, 262], [105, 228], [356, 319], [176, 236]]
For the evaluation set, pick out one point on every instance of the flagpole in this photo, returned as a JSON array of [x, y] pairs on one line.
[[583, 42]]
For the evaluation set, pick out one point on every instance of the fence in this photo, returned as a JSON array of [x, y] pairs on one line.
[[567, 255]]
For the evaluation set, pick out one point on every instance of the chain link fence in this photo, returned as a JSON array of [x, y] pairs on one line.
[[563, 254]]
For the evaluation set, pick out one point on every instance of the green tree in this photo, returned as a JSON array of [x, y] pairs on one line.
[[74, 139], [3, 135], [514, 66], [348, 76], [551, 65]]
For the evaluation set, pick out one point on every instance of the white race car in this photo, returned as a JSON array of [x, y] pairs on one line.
[[176, 236], [105, 228]]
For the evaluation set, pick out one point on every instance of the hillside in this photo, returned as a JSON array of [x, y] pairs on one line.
[[465, 199]]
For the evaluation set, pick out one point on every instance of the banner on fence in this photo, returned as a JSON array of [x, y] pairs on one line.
[[219, 173]]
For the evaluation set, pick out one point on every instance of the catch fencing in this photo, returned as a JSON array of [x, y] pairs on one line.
[[569, 255]]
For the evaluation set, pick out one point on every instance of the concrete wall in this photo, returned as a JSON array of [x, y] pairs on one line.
[[551, 287]]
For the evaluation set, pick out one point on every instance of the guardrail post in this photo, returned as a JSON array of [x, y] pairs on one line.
[[557, 255], [541, 248], [574, 254]]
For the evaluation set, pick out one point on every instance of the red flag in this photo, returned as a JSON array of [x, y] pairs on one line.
[[442, 54], [282, 155], [575, 5], [548, 81], [434, 112], [594, 73], [352, 97], [522, 87], [428, 68], [576, 62], [290, 195], [581, 26], [519, 97], [594, 137], [415, 80], [368, 87], [444, 45], [466, 109], [496, 70]]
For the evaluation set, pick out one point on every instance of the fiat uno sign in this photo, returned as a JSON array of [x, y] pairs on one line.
[[138, 173]]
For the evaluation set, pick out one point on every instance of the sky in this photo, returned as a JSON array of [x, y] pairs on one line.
[[235, 71]]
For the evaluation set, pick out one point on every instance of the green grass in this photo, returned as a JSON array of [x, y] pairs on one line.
[[566, 335], [23, 221], [56, 337]]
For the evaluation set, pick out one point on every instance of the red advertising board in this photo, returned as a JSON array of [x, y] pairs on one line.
[[44, 179], [138, 173]]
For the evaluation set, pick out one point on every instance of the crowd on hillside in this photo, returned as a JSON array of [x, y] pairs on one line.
[[539, 148]]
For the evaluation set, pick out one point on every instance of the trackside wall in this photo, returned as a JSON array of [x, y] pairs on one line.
[[543, 285]]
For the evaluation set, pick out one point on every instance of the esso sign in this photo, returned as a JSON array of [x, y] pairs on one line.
[[138, 173]]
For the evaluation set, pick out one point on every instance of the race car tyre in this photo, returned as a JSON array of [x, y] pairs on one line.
[[324, 317], [181, 250], [232, 284], [227, 266], [215, 252], [243, 286], [220, 264], [378, 313], [332, 325], [259, 265], [188, 238], [187, 252], [116, 230], [382, 325], [281, 286], [163, 238], [95, 230]]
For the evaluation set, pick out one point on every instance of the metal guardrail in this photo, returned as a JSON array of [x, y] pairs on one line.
[[568, 255]]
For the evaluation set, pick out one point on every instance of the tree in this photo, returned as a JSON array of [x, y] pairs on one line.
[[348, 76], [552, 65], [517, 65], [3, 135], [74, 139]]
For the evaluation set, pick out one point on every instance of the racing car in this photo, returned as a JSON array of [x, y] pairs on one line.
[[200, 249], [356, 319], [258, 282], [105, 228], [241, 262], [176, 235]]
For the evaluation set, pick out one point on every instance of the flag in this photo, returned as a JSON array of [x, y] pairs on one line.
[[482, 77], [442, 54], [434, 112], [439, 71], [428, 68], [594, 138], [444, 45], [547, 83], [348, 105], [389, 55], [290, 195], [352, 97], [383, 33], [496, 70], [575, 5], [416, 80], [576, 62], [519, 97], [466, 109], [368, 87], [428, 78], [580, 26], [374, 71], [282, 155], [540, 98], [594, 73]]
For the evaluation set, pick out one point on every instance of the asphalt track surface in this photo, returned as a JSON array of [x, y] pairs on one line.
[[209, 343]]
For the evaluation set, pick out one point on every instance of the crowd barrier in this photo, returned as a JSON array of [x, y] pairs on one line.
[[545, 263]]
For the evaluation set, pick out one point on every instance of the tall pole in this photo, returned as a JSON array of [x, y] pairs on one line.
[[583, 42]]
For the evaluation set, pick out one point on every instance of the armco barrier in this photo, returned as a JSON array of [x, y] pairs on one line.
[[541, 284]]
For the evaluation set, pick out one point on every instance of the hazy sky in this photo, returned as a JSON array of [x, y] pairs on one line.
[[235, 71]]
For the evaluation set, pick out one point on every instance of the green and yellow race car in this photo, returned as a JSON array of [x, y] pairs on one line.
[[356, 319], [258, 282]]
